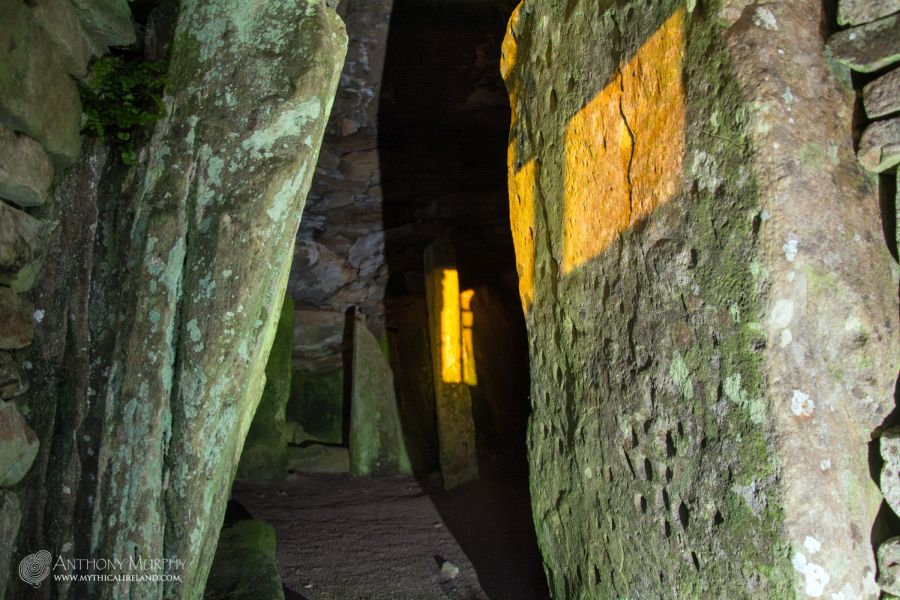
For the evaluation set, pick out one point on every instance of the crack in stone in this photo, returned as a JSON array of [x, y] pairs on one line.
[[631, 149]]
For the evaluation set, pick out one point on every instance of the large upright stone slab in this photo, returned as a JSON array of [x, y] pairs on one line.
[[207, 257], [377, 447], [453, 403], [37, 96], [265, 453], [711, 311], [62, 26]]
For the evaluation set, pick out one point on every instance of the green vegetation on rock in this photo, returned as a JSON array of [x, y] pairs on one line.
[[122, 95]]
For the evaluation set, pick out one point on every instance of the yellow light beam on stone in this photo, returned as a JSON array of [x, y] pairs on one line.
[[470, 376], [451, 344], [625, 148]]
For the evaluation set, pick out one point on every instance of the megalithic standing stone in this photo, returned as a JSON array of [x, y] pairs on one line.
[[377, 447], [453, 402]]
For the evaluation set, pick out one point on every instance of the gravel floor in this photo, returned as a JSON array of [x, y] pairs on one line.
[[341, 538]]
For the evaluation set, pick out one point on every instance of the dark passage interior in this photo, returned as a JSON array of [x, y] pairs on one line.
[[406, 226]]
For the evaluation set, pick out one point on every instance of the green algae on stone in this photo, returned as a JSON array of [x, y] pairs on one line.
[[208, 258], [244, 567], [265, 452]]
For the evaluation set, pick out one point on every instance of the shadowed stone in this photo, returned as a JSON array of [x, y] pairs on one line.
[[37, 96], [16, 320], [60, 22], [244, 567], [317, 458], [20, 248], [107, 22], [265, 450], [377, 447], [18, 445], [26, 172], [855, 12], [10, 517], [453, 402], [869, 47], [879, 147], [13, 381], [317, 405]]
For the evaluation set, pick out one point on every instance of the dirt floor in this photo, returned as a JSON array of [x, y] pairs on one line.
[[341, 538]]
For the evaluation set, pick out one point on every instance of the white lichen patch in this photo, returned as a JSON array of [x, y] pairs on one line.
[[790, 249], [814, 576], [802, 405], [812, 545], [825, 464], [786, 338], [782, 313], [765, 19]]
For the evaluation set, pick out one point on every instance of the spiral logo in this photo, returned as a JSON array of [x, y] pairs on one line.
[[34, 568]]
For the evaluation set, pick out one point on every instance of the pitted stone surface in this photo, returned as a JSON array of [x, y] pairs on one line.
[[889, 566], [721, 454]]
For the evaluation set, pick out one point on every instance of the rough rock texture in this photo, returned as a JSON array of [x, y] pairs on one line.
[[879, 148], [339, 259], [10, 517], [16, 320], [18, 445], [265, 452], [852, 12], [163, 290], [244, 566], [217, 214], [20, 247], [318, 339], [25, 170], [699, 422], [889, 565], [882, 96], [376, 437], [867, 48], [37, 96], [452, 398]]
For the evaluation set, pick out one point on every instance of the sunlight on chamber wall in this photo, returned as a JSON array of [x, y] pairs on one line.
[[625, 148], [457, 331], [624, 154]]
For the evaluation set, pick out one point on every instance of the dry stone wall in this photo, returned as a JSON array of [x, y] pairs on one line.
[[710, 306]]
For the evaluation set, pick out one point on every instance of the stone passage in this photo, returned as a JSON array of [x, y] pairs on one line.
[[453, 400], [711, 321]]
